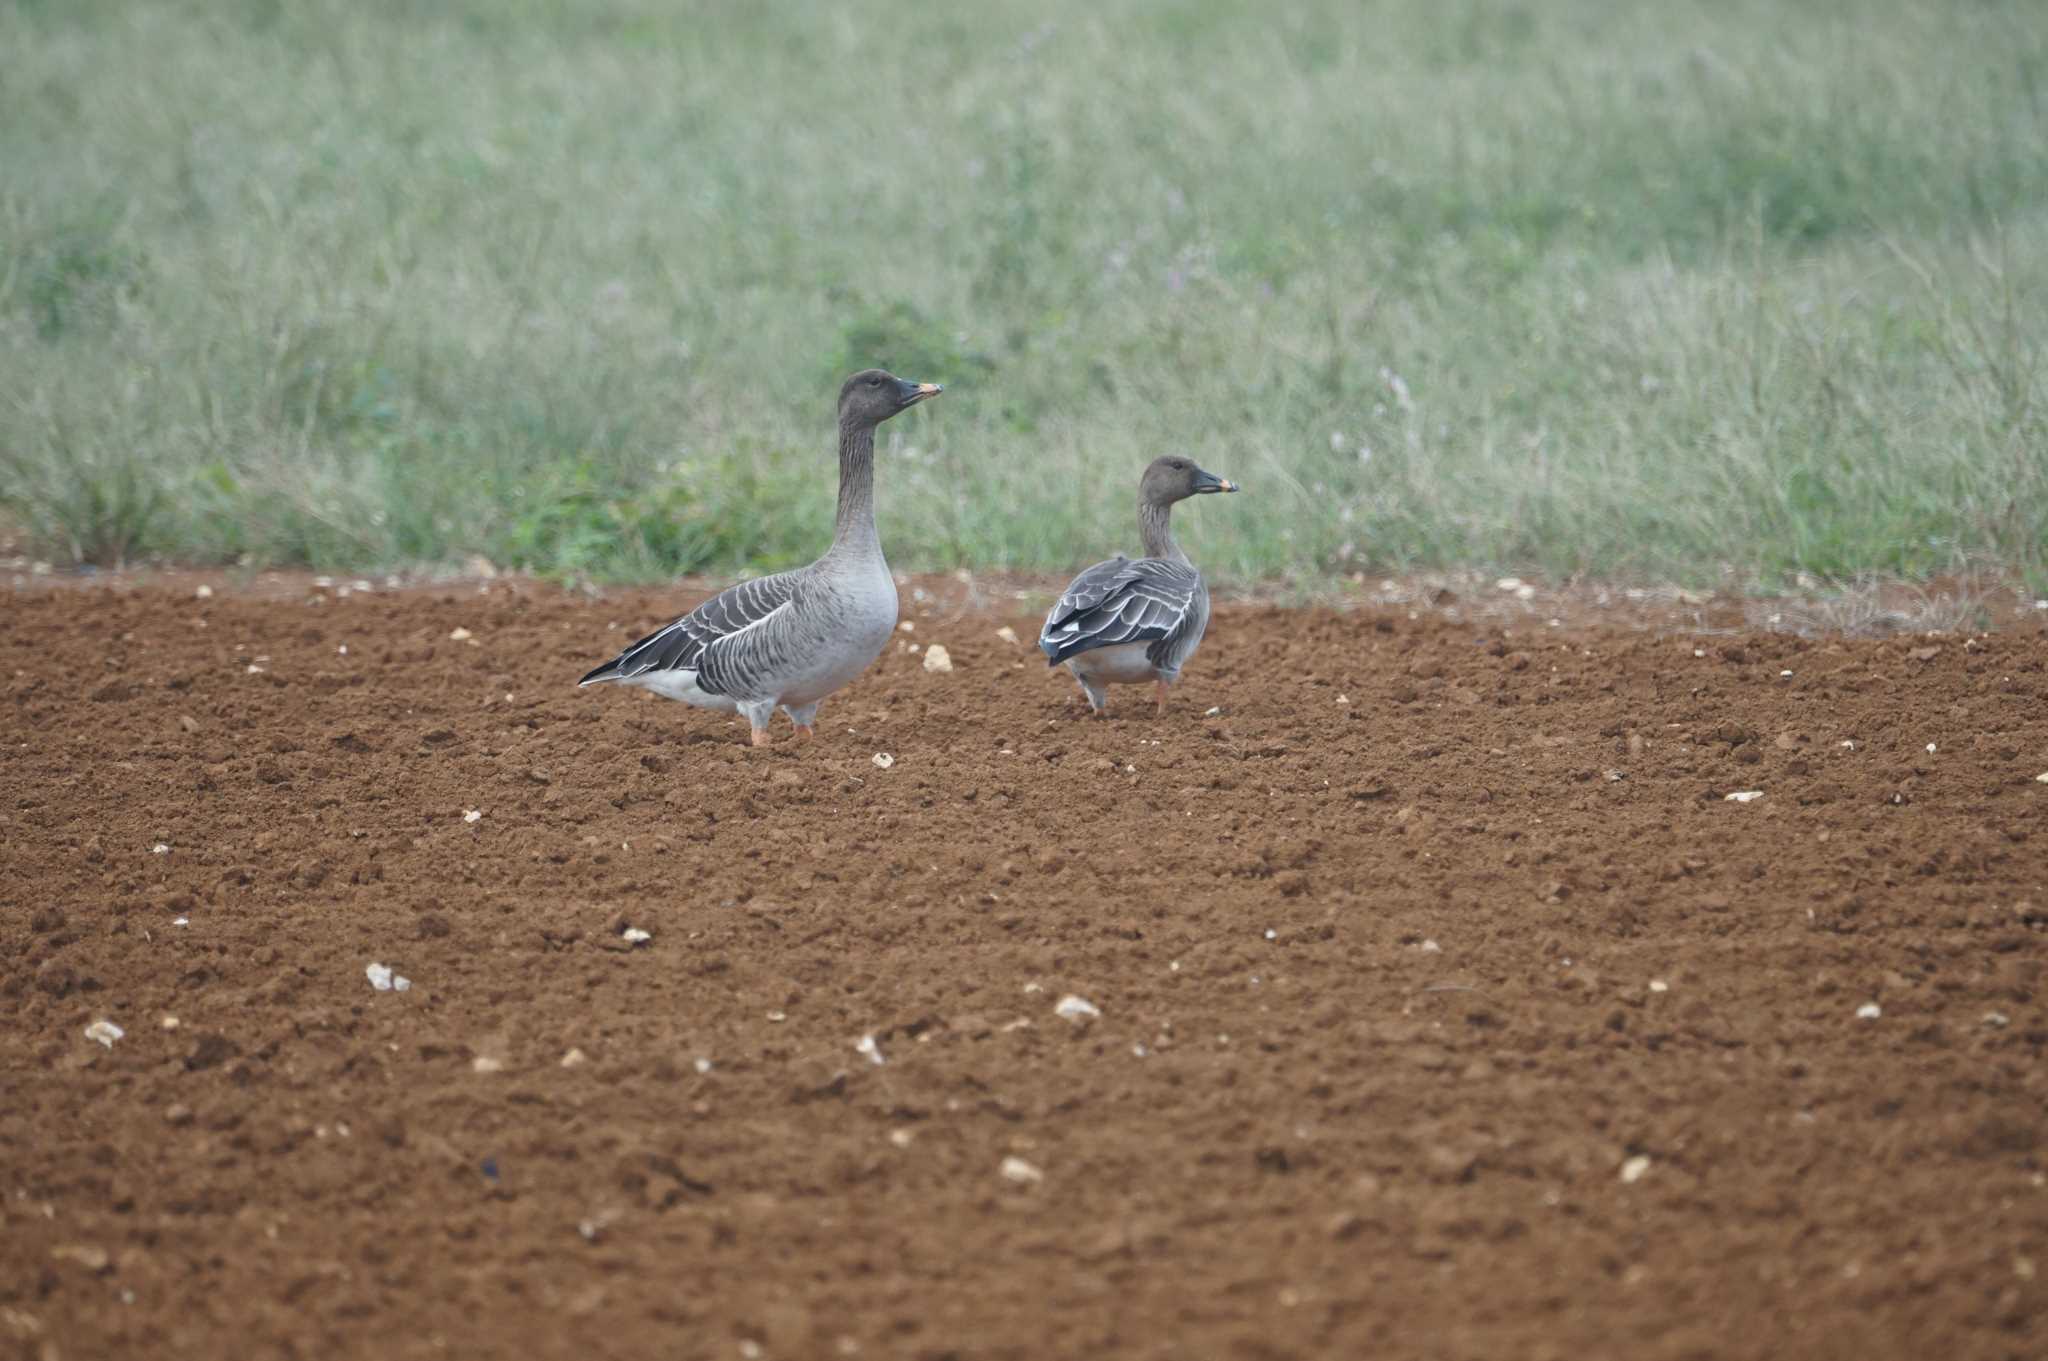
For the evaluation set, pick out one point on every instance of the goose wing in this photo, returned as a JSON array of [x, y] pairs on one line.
[[681, 644], [1124, 600]]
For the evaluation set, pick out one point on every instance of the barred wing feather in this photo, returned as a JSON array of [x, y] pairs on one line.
[[1124, 600], [680, 644]]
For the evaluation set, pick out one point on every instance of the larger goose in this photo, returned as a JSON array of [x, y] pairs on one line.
[[1131, 620], [790, 639]]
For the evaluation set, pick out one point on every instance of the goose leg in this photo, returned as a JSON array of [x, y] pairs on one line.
[[803, 716], [1162, 699], [757, 716], [1098, 700]]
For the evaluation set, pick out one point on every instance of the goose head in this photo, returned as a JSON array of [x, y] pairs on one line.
[[873, 396], [1173, 478]]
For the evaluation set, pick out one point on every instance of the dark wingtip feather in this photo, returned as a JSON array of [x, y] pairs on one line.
[[609, 671]]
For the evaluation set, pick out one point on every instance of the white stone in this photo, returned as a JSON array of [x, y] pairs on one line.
[[384, 980], [1007, 634], [883, 760], [472, 815], [1632, 1170], [866, 1045], [633, 935], [104, 1032], [1869, 1011], [1742, 796], [1023, 1173], [1076, 1008], [936, 658]]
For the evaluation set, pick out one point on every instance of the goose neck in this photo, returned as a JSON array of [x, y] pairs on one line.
[[1155, 526], [854, 529]]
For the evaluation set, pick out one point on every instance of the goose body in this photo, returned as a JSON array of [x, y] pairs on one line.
[[1131, 620], [788, 640]]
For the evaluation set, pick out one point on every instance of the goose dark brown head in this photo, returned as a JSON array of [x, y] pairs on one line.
[[1173, 478], [873, 396]]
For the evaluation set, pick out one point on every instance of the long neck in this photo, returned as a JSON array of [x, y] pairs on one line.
[[1155, 524], [855, 528]]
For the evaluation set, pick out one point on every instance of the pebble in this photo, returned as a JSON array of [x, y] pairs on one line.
[[1007, 634], [92, 1258], [460, 635], [472, 815], [1633, 1169], [936, 658], [484, 1063], [633, 935], [1869, 1011], [1659, 985], [104, 1032], [1742, 796], [2042, 778], [1023, 1173], [177, 1113], [883, 760], [383, 979], [1076, 1008], [901, 1137], [866, 1045], [575, 1058]]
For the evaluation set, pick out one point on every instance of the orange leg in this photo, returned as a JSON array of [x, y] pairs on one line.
[[1162, 699], [760, 737], [805, 732]]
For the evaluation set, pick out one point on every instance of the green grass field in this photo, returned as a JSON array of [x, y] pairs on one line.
[[1653, 290]]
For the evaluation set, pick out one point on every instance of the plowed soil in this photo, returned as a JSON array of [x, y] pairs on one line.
[[1448, 1005]]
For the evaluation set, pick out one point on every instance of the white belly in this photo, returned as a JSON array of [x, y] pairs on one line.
[[1119, 664], [681, 685]]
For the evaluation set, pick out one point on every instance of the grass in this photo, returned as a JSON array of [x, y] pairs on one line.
[[1686, 291]]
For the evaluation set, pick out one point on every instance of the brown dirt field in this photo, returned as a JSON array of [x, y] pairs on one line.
[[1448, 1009]]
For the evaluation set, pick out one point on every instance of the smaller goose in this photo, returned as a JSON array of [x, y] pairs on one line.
[[1130, 620], [790, 639]]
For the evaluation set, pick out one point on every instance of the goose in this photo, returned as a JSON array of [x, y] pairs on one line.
[[1136, 619], [790, 639]]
